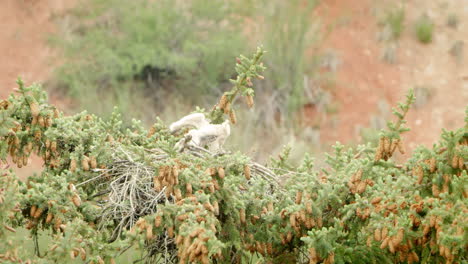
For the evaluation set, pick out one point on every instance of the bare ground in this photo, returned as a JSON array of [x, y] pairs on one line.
[[367, 86]]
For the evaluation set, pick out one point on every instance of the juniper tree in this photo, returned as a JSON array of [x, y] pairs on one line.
[[106, 187]]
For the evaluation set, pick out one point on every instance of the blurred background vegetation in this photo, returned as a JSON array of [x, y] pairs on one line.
[[334, 68], [141, 55]]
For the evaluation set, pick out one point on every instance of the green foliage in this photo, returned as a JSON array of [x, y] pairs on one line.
[[106, 188], [370, 135], [424, 29], [288, 33], [394, 22], [121, 51], [9, 198], [247, 69]]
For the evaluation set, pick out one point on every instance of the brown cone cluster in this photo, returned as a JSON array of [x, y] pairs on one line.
[[387, 147]]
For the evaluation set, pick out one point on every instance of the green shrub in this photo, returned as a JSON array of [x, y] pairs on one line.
[[394, 22], [106, 188], [120, 52], [288, 31], [424, 29], [129, 53]]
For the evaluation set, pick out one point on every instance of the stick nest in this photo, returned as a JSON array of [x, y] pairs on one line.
[[129, 192]]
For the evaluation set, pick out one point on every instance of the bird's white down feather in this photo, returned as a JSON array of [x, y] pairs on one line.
[[196, 120], [205, 134]]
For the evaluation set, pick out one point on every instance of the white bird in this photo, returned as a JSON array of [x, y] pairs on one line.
[[205, 134], [196, 120]]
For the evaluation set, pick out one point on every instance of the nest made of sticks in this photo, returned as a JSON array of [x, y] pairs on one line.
[[129, 193]]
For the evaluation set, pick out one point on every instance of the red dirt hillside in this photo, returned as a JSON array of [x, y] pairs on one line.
[[367, 86]]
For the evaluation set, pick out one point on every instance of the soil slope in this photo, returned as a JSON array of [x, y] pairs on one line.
[[367, 86]]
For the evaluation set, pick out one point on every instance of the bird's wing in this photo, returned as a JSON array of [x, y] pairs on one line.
[[196, 120]]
